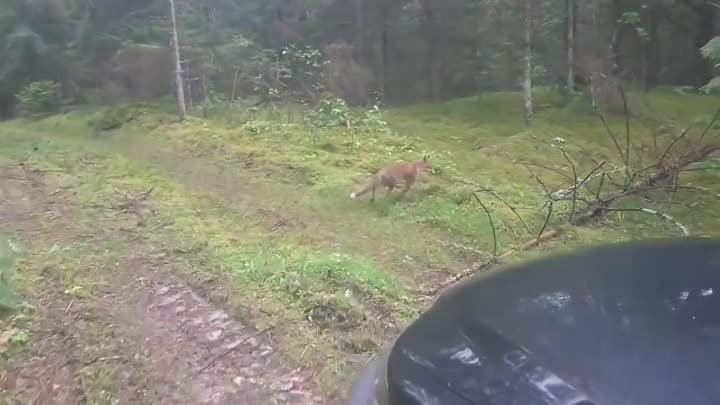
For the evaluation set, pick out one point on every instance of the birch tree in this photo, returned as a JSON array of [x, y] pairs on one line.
[[182, 110], [571, 24], [527, 76]]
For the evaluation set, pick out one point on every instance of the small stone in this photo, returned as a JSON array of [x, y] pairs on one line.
[[217, 315], [214, 335], [239, 380], [252, 342], [282, 386], [233, 345], [170, 300]]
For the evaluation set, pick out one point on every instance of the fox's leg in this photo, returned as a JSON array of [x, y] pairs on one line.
[[406, 188], [389, 184], [372, 197]]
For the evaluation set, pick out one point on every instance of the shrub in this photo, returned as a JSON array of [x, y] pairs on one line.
[[711, 52], [40, 97]]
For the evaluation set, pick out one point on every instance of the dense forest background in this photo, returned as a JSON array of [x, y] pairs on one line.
[[399, 51]]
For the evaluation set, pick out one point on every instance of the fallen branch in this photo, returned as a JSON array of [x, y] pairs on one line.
[[486, 264], [662, 215], [602, 206], [69, 305], [96, 359]]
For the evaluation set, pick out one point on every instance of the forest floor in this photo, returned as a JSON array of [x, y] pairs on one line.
[[221, 261]]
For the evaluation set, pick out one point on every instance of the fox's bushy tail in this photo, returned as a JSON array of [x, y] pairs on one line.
[[372, 183]]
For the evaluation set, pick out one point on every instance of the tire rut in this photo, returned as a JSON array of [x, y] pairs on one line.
[[214, 358], [189, 350]]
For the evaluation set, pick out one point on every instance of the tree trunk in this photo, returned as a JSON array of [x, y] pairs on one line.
[[382, 70], [359, 29], [527, 79], [570, 10], [431, 62], [182, 111], [618, 35], [651, 59]]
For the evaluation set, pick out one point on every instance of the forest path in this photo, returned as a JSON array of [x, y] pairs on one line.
[[110, 323]]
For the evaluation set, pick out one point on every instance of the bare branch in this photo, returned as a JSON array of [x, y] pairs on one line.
[[547, 220], [510, 206], [592, 172], [575, 183], [600, 186], [548, 201], [563, 194], [673, 191], [567, 176], [715, 118], [492, 225], [610, 133], [539, 181], [627, 126], [674, 141]]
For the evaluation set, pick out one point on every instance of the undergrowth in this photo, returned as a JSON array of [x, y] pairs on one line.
[[284, 264], [349, 267], [7, 254]]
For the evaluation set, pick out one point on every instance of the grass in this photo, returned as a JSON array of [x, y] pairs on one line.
[[284, 264], [257, 209], [7, 257]]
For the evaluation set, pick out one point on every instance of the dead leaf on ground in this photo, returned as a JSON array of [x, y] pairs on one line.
[[6, 336]]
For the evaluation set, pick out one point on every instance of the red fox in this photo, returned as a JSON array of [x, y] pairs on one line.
[[389, 177]]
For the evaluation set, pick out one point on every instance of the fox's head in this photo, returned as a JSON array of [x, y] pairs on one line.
[[424, 166]]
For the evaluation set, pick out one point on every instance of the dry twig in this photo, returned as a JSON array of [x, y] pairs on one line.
[[510, 206], [492, 225]]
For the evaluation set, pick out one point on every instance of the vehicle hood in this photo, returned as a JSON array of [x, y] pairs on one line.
[[634, 323]]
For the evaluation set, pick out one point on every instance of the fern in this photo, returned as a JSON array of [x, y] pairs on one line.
[[713, 86], [711, 52]]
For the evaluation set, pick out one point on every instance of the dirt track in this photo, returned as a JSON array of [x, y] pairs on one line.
[[145, 334]]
